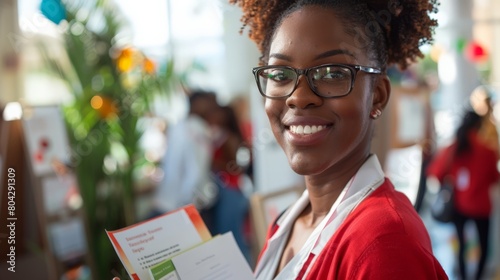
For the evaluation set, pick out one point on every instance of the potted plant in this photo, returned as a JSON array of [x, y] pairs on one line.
[[113, 86]]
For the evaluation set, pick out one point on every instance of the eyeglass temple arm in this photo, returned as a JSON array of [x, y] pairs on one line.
[[369, 69]]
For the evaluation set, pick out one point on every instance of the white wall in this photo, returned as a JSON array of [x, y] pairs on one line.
[[458, 76]]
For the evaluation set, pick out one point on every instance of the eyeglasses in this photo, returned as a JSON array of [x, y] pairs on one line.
[[328, 80]]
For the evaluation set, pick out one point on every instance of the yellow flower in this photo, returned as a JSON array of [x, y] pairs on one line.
[[125, 60]]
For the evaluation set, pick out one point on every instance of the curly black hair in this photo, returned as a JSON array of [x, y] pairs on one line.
[[471, 121], [405, 24]]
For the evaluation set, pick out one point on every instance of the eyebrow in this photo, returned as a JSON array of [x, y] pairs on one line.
[[321, 55]]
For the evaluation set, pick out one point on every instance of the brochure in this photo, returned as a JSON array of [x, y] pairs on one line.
[[178, 246], [143, 245], [216, 259]]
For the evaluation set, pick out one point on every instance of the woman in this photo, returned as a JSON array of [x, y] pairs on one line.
[[472, 166], [324, 85]]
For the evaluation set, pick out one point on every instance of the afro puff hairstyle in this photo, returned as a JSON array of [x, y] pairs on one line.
[[405, 24]]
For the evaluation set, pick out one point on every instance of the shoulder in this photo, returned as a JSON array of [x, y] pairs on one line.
[[387, 211], [386, 217], [383, 231], [483, 150], [395, 256]]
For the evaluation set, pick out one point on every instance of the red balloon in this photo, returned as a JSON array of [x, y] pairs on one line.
[[476, 53]]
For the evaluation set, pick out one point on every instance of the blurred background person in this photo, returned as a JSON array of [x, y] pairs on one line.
[[187, 163], [231, 209], [471, 165]]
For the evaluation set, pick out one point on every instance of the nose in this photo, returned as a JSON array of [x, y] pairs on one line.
[[303, 96]]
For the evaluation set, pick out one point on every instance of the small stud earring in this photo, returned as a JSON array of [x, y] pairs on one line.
[[375, 114]]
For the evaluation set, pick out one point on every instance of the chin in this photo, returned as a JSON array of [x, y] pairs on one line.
[[304, 168]]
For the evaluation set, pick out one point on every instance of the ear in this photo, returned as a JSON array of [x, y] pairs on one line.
[[381, 92]]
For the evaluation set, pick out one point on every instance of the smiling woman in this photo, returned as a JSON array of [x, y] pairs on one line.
[[324, 80]]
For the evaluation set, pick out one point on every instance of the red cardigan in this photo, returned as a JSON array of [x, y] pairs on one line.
[[382, 239]]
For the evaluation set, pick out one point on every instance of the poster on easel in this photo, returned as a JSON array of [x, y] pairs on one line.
[[46, 139]]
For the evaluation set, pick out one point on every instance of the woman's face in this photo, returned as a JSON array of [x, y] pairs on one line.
[[310, 37]]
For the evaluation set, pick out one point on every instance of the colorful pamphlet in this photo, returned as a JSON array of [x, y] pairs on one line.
[[178, 246], [148, 243]]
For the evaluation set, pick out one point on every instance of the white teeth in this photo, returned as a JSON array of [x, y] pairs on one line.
[[306, 130], [299, 129]]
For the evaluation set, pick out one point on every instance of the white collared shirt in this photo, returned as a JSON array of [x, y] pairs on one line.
[[186, 164], [368, 178]]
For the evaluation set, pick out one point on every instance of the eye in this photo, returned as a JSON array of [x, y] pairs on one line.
[[279, 75], [331, 74]]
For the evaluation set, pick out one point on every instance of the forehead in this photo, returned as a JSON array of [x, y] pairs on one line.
[[312, 33]]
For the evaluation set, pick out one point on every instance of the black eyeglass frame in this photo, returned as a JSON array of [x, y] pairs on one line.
[[353, 68]]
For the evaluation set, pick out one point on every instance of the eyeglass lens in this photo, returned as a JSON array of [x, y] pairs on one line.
[[327, 81]]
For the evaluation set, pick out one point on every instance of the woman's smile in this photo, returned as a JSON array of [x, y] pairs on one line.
[[306, 131]]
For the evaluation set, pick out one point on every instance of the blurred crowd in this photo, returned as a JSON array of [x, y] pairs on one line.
[[208, 164]]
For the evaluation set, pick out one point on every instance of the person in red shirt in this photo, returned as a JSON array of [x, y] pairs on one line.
[[471, 165], [323, 76]]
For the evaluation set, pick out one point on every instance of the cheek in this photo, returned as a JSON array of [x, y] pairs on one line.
[[358, 112], [354, 119], [273, 110], [359, 106], [349, 108]]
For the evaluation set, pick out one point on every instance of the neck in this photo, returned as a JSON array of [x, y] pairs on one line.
[[323, 192]]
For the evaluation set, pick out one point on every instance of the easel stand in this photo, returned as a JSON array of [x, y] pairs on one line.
[[17, 208], [49, 232]]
